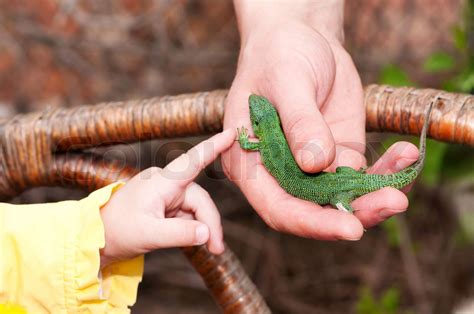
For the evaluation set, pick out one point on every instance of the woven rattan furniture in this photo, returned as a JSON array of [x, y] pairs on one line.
[[45, 149]]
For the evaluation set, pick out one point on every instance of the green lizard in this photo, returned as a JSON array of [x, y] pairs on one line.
[[338, 188]]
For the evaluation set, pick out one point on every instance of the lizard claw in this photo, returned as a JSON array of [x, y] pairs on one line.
[[242, 133], [238, 134]]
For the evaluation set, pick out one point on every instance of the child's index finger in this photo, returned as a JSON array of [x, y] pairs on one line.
[[187, 167]]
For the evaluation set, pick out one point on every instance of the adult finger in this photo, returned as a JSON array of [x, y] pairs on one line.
[[184, 169], [380, 205], [375, 207], [399, 156], [286, 213], [198, 201], [344, 112]]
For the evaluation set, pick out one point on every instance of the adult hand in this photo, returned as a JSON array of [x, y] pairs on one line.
[[291, 53]]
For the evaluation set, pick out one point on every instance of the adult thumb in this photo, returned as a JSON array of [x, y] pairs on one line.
[[306, 131]]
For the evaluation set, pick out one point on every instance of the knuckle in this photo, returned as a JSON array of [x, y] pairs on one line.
[[194, 159], [150, 173]]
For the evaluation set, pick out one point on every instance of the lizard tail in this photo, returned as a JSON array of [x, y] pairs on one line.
[[407, 175], [418, 165]]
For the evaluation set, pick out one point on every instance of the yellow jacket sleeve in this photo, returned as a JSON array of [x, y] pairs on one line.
[[49, 259]]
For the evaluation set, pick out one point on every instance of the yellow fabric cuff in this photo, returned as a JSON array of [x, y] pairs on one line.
[[116, 290], [50, 259]]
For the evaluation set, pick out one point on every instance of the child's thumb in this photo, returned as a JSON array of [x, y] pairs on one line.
[[177, 232]]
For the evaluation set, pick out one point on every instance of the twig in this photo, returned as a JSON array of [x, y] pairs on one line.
[[412, 270]]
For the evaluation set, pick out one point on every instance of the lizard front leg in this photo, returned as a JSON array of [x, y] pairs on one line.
[[244, 140]]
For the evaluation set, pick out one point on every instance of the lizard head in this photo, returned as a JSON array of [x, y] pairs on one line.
[[262, 113]]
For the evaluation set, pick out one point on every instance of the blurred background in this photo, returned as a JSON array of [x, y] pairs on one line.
[[73, 52]]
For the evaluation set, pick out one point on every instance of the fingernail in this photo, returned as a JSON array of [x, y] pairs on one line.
[[311, 154], [307, 158], [350, 238], [221, 246], [202, 234], [387, 213], [218, 248]]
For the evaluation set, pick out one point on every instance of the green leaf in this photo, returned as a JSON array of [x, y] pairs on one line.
[[392, 231], [450, 86], [390, 301], [465, 82], [366, 303], [460, 38], [466, 221], [395, 76], [457, 163], [439, 62]]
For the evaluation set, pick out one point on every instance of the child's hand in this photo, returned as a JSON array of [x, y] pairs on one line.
[[162, 208]]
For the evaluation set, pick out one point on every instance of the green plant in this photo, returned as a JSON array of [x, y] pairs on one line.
[[392, 232], [394, 75], [388, 303]]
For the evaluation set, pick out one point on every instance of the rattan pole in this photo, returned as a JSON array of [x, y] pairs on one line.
[[390, 109], [401, 110]]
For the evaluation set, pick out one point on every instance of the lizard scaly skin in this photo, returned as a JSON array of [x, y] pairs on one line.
[[338, 188]]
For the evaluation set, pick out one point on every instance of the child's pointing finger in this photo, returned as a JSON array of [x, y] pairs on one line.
[[184, 169]]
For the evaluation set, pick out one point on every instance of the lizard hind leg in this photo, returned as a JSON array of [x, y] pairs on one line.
[[346, 170], [342, 201]]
